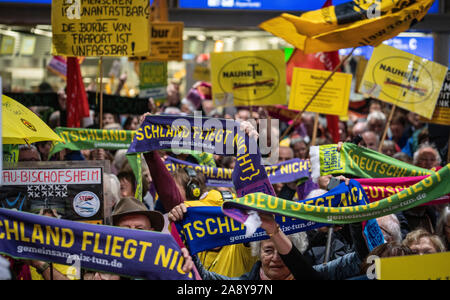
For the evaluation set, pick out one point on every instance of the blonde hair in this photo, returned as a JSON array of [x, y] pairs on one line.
[[415, 236]]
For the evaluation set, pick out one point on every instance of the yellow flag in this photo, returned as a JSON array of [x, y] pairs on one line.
[[352, 24], [403, 79], [245, 78]]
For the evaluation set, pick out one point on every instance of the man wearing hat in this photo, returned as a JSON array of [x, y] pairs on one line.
[[133, 214]]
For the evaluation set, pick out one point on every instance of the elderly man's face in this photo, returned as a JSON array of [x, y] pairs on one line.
[[272, 265], [135, 221], [369, 141]]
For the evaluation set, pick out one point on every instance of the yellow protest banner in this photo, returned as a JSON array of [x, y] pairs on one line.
[[403, 79], [422, 267], [246, 78], [333, 99], [100, 28], [441, 115], [166, 43], [351, 24]]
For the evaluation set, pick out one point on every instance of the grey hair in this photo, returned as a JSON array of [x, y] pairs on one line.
[[299, 240], [391, 224], [298, 140], [376, 115], [316, 193], [425, 146], [112, 188]]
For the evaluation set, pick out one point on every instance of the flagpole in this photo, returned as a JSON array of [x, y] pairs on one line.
[[316, 94], [101, 92], [316, 127], [386, 128], [448, 154]]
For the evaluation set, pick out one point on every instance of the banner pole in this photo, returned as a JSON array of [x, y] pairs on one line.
[[101, 92], [448, 154], [386, 128], [316, 94], [328, 248], [316, 127]]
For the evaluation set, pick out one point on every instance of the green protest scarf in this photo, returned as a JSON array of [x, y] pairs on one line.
[[429, 189], [360, 163], [84, 139], [135, 161]]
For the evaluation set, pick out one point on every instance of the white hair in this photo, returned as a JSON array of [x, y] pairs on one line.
[[426, 146], [376, 116], [316, 193], [391, 224]]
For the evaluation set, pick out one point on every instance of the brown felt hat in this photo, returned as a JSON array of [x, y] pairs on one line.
[[128, 206]]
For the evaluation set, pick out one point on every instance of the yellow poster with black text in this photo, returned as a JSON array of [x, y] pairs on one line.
[[408, 81], [333, 99], [166, 43], [94, 29], [248, 78], [441, 115], [419, 267]]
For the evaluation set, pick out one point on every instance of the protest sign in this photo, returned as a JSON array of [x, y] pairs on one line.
[[74, 190], [101, 28], [403, 79], [249, 78], [134, 253], [433, 187], [153, 80], [202, 73], [85, 139], [333, 99], [359, 162], [166, 42], [441, 115], [420, 267]]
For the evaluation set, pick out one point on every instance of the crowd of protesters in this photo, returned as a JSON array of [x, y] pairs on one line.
[[422, 230]]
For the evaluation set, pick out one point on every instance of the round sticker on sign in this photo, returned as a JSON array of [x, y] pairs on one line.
[[86, 204]]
